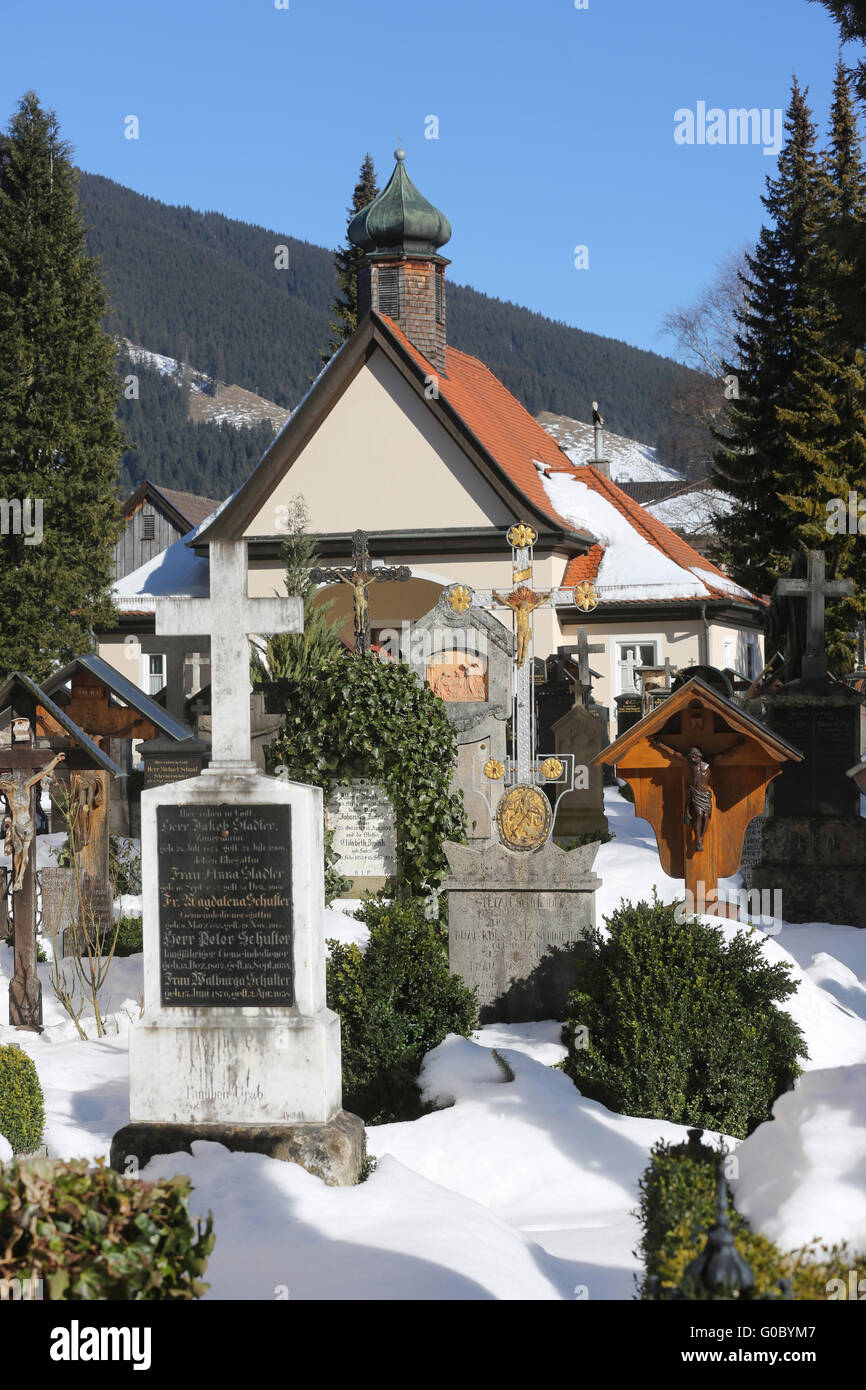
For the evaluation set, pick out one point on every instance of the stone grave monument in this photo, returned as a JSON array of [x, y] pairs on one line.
[[169, 760], [465, 656], [519, 909], [236, 1044], [580, 733], [365, 835], [813, 838]]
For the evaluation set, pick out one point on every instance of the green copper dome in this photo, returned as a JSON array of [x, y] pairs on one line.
[[400, 221]]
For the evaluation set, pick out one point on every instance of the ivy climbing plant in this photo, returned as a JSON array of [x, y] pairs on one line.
[[362, 717]]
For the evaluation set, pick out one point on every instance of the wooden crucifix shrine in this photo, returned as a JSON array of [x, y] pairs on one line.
[[28, 763], [699, 767], [360, 576]]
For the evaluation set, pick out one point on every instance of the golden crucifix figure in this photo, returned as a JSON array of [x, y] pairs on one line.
[[16, 787], [524, 602]]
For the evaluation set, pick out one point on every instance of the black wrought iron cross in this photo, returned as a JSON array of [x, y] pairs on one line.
[[360, 577]]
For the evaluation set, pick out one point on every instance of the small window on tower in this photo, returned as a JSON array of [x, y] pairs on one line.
[[440, 295], [148, 522], [389, 291]]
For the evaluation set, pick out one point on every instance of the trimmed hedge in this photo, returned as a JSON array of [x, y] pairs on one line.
[[89, 1233], [677, 1206], [671, 1021], [129, 936], [22, 1106], [396, 1001]]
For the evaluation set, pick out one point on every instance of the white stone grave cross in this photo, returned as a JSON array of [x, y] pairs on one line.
[[229, 618], [523, 602]]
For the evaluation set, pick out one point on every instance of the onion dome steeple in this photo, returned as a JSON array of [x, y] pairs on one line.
[[399, 221], [402, 274]]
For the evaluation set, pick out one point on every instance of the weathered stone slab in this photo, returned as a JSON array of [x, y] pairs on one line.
[[818, 863], [365, 835], [169, 760], [825, 726], [581, 812], [59, 907], [333, 1151], [515, 925]]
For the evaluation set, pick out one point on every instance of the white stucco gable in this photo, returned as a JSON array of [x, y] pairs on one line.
[[380, 460]]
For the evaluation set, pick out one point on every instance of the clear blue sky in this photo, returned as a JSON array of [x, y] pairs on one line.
[[556, 125]]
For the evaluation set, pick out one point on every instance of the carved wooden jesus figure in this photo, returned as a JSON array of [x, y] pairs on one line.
[[699, 797], [16, 787]]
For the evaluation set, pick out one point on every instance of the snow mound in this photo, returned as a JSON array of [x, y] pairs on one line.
[[282, 1234], [802, 1173]]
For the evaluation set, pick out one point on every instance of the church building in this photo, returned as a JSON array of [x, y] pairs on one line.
[[421, 446]]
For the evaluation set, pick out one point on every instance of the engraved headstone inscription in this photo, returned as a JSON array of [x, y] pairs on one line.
[[365, 835], [225, 906]]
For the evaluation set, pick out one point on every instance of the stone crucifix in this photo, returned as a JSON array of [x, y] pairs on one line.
[[816, 588], [585, 649], [524, 602], [229, 617], [361, 575]]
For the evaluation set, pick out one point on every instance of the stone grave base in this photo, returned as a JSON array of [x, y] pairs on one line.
[[819, 865], [333, 1151], [516, 922]]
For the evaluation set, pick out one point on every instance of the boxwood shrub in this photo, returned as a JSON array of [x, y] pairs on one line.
[[129, 937], [89, 1233], [396, 1001], [678, 1204], [672, 1021], [22, 1107]]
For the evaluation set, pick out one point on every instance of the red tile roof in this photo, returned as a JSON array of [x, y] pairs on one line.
[[510, 434], [500, 423]]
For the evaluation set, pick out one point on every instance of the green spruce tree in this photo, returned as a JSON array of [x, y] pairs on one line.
[[346, 260], [826, 428], [755, 456], [850, 15], [59, 439]]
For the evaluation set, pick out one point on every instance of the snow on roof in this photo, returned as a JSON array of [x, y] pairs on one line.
[[632, 564], [695, 512], [174, 571], [630, 461]]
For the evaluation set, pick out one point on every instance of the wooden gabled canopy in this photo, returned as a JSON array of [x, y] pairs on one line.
[[94, 686], [730, 715], [20, 695], [699, 717]]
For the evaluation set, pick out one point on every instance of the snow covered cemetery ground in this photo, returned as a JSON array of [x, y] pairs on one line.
[[515, 1189]]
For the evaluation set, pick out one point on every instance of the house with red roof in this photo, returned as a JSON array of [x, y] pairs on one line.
[[417, 443]]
